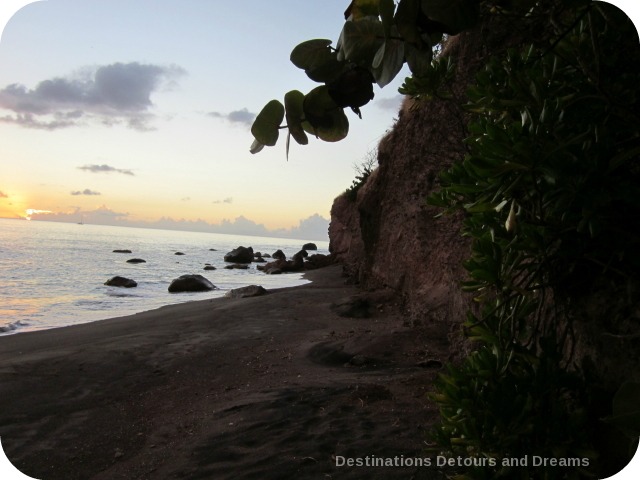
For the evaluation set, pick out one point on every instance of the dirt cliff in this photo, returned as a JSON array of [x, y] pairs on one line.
[[389, 236]]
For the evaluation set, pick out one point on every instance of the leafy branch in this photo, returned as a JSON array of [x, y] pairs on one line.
[[377, 39]]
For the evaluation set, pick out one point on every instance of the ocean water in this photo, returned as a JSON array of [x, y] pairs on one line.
[[52, 274]]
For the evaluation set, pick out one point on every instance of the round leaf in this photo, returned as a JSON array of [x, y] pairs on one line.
[[266, 126], [293, 101], [361, 40], [391, 62], [387, 7], [361, 8], [317, 59], [419, 60], [307, 53], [256, 146], [324, 118], [406, 20], [353, 89]]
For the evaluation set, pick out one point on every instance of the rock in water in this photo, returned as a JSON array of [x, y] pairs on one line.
[[239, 266], [279, 255], [191, 283], [122, 251], [249, 291], [118, 281], [136, 260], [240, 255], [309, 246]]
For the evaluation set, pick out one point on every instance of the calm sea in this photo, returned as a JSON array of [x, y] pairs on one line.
[[53, 274]]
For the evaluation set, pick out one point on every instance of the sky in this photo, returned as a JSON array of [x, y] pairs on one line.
[[138, 112]]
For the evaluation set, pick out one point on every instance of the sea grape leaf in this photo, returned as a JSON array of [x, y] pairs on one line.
[[256, 146], [419, 60], [379, 56], [361, 8], [323, 117], [455, 15], [308, 53], [288, 144], [361, 40], [354, 88], [317, 59], [392, 53], [386, 9], [318, 105], [405, 18], [293, 101], [265, 128]]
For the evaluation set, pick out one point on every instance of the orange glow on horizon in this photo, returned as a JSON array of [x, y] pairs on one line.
[[32, 211]]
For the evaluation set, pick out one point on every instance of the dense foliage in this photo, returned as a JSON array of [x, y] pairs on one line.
[[551, 190]]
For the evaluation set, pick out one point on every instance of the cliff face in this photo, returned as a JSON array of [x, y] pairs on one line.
[[390, 237]]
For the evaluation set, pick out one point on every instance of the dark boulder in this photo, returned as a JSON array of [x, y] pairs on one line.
[[248, 291], [191, 283], [136, 260], [240, 255], [122, 251], [238, 266], [309, 246], [279, 255], [209, 267], [317, 260], [178, 253], [123, 282]]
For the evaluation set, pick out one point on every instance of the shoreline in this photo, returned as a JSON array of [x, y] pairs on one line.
[[274, 386]]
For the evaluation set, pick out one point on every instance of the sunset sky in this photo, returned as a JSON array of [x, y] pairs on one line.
[[137, 112], [128, 111]]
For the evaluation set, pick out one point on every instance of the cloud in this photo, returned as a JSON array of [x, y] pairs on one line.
[[3, 195], [104, 169], [86, 191], [111, 94], [242, 226], [31, 212], [392, 103], [225, 200], [102, 215], [312, 227], [243, 117]]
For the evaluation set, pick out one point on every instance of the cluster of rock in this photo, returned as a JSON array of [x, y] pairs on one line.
[[239, 258]]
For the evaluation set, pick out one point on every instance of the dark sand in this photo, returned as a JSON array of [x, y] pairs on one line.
[[255, 388]]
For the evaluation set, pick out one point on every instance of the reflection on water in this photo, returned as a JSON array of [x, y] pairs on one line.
[[53, 274]]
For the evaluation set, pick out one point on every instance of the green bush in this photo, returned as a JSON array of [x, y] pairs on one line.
[[551, 191]]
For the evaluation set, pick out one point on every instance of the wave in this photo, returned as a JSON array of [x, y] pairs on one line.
[[10, 327]]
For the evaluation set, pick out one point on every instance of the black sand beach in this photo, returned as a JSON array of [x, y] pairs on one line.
[[278, 386]]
